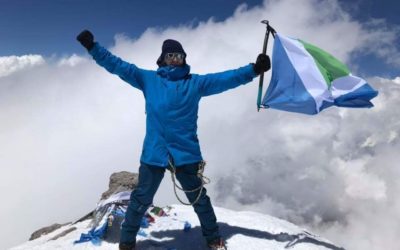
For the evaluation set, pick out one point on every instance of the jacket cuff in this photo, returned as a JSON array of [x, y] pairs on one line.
[[94, 48], [251, 70]]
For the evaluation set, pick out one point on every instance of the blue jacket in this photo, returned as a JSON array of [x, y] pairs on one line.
[[172, 102]]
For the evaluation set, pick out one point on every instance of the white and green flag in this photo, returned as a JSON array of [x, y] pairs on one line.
[[306, 79]]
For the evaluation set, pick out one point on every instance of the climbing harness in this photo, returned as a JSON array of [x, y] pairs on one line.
[[204, 180]]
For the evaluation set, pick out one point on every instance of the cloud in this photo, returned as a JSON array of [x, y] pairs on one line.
[[396, 80], [71, 61], [336, 172], [67, 125], [12, 64]]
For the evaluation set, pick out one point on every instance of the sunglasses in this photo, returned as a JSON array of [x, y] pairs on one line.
[[178, 56]]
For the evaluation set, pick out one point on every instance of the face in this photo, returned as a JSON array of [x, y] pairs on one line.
[[174, 59]]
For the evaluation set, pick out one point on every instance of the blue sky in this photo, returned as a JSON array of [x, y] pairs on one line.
[[49, 27], [364, 10]]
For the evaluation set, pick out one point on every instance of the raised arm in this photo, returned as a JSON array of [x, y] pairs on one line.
[[113, 64], [215, 83]]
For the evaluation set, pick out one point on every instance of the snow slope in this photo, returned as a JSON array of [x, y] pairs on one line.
[[242, 230]]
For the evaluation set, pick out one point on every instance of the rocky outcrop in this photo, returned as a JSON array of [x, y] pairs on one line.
[[63, 233], [46, 230], [121, 181]]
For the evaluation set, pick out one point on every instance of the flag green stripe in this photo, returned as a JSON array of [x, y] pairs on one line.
[[330, 67]]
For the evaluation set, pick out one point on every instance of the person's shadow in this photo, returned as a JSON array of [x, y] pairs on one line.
[[180, 240]]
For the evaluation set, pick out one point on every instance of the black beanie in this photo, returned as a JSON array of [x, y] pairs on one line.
[[170, 46]]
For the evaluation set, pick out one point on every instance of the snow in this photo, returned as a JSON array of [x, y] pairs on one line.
[[241, 230]]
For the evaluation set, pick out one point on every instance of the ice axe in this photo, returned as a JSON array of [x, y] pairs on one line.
[[264, 51]]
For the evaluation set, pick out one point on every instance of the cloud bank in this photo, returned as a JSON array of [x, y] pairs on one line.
[[12, 64], [67, 124]]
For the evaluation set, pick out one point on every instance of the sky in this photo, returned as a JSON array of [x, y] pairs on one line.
[[66, 124], [49, 27]]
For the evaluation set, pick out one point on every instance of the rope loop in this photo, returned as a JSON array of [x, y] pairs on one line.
[[204, 180]]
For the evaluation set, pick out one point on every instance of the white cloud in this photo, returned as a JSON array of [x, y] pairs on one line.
[[12, 64], [68, 125], [360, 184], [397, 80], [340, 180], [71, 61]]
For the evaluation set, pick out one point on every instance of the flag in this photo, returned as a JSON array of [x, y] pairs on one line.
[[306, 79]]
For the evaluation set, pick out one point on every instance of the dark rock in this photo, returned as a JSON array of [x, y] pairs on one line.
[[63, 233], [85, 217], [121, 181], [46, 230]]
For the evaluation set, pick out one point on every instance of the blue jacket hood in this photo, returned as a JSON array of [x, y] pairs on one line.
[[174, 73]]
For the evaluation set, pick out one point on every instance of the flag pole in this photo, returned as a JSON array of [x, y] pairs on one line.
[[264, 51]]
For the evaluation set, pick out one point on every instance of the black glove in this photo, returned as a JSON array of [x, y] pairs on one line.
[[86, 39], [262, 64]]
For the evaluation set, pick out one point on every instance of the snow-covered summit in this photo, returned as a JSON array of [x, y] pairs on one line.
[[242, 230]]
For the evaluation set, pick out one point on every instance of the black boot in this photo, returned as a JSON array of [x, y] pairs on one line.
[[127, 246], [217, 244]]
